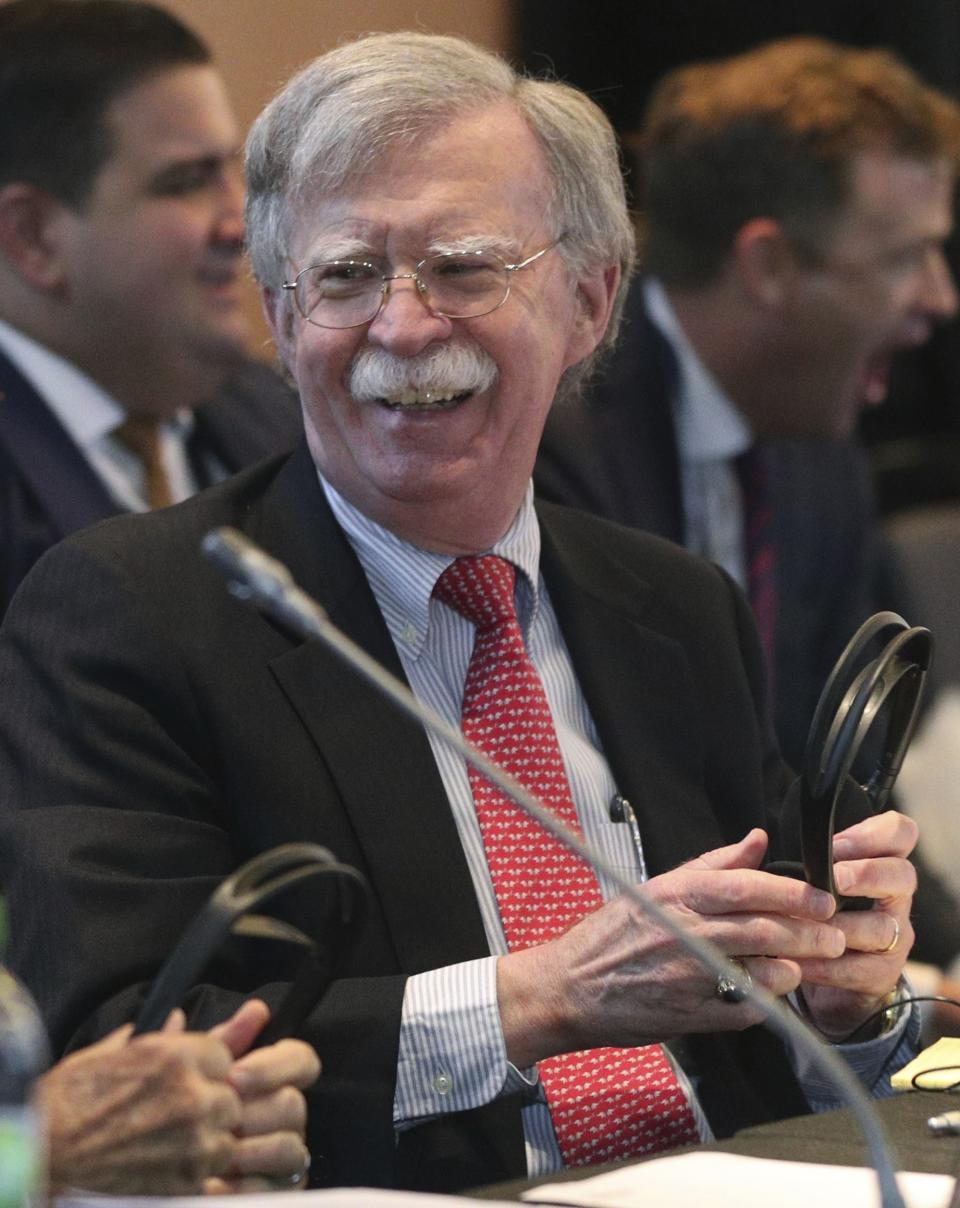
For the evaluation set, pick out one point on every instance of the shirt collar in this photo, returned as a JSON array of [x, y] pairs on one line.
[[84, 409], [709, 426], [402, 575]]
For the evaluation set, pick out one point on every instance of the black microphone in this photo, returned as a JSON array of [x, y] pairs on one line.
[[253, 576]]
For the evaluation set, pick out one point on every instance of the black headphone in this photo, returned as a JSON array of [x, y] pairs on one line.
[[854, 696], [229, 911]]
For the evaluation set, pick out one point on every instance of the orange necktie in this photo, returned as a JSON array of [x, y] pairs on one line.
[[141, 435]]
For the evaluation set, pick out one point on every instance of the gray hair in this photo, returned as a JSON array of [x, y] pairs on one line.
[[328, 127]]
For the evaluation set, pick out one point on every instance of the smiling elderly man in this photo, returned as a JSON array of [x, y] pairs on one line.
[[442, 247]]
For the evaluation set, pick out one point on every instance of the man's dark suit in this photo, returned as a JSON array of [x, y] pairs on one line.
[[48, 489], [168, 733], [614, 453]]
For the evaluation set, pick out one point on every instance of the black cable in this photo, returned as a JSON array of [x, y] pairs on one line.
[[896, 1006]]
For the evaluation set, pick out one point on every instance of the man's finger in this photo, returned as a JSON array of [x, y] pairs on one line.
[[885, 878], [112, 1042], [283, 1110], [175, 1022], [887, 834], [286, 1063], [748, 853], [243, 1027], [742, 891]]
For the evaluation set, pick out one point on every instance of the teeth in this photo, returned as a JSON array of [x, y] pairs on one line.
[[425, 400]]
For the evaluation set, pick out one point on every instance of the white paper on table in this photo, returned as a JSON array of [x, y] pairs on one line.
[[344, 1197], [723, 1179]]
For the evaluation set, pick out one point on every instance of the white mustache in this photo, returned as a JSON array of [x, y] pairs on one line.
[[458, 368]]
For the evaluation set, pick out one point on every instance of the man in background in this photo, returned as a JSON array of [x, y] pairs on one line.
[[125, 381], [796, 200], [796, 203]]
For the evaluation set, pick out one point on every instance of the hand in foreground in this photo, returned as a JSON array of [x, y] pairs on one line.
[[270, 1150], [870, 861], [151, 1115], [175, 1112], [617, 978]]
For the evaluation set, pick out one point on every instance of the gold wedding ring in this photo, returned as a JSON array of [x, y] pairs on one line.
[[893, 943]]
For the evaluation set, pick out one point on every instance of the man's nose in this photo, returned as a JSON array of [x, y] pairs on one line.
[[940, 291], [405, 324], [230, 224]]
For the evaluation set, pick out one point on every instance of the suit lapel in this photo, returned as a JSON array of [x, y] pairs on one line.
[[639, 688], [395, 802], [46, 457], [629, 414]]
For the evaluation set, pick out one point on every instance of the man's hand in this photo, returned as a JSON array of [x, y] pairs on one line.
[[616, 978], [871, 861], [175, 1112], [152, 1115], [269, 1082]]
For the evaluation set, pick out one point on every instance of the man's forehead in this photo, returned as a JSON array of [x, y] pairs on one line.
[[478, 172], [886, 188], [181, 113]]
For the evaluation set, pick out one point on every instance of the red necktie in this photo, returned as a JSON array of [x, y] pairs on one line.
[[760, 550], [605, 1103]]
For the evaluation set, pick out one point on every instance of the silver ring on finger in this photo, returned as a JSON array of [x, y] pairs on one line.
[[298, 1179], [733, 990]]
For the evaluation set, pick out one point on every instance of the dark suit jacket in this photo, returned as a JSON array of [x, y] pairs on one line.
[[48, 489], [614, 453], [168, 732]]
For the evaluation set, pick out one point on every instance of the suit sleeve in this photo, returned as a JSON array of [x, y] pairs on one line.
[[113, 821]]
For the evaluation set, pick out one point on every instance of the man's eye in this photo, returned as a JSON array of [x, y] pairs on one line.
[[344, 270], [462, 266], [342, 276], [908, 259], [184, 180]]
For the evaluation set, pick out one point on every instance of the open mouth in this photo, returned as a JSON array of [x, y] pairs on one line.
[[425, 400], [876, 379]]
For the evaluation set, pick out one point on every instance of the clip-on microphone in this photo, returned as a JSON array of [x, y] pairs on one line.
[[229, 911], [853, 698]]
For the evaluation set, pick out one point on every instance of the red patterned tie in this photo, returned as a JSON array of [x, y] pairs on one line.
[[605, 1103]]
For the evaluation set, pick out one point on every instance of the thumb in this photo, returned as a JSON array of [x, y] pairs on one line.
[[243, 1027], [113, 1042], [748, 853]]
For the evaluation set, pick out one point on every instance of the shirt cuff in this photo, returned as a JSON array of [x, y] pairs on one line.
[[873, 1061], [452, 1053]]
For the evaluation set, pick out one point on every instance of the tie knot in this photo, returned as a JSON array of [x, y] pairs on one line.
[[141, 435], [480, 589]]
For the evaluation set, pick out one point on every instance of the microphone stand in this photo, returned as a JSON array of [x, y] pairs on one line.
[[255, 577]]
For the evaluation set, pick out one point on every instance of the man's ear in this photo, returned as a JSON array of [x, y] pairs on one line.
[[765, 262], [595, 298], [281, 318], [28, 235]]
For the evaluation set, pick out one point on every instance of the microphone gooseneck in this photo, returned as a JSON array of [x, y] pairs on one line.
[[255, 577]]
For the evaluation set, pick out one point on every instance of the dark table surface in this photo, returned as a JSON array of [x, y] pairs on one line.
[[833, 1138]]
